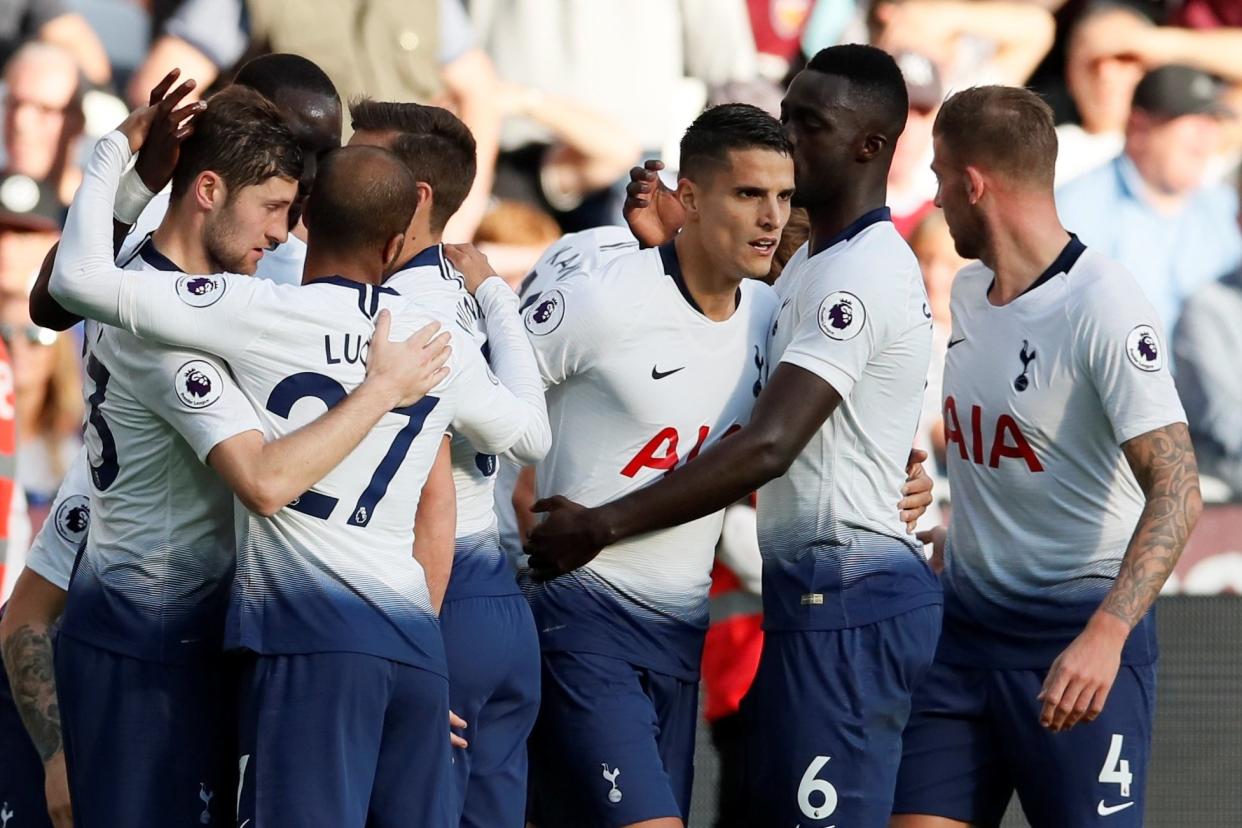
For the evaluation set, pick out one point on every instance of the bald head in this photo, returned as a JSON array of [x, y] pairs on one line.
[[363, 197], [305, 93]]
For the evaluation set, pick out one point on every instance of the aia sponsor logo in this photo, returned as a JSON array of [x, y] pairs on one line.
[[987, 442]]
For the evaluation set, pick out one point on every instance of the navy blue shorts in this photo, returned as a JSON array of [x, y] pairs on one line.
[[145, 743], [614, 743], [342, 739], [21, 769], [974, 740], [824, 720], [493, 658]]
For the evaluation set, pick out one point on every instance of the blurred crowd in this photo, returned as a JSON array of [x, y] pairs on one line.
[[564, 96]]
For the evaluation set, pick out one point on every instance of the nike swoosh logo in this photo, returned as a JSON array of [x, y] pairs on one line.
[[957, 342], [1109, 810], [658, 374]]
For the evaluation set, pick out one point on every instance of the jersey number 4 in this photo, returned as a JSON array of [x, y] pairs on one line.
[[300, 386]]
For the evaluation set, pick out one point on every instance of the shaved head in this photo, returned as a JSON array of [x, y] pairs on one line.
[[363, 197]]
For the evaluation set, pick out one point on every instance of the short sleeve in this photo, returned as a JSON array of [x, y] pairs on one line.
[[566, 326], [841, 323], [196, 395], [1124, 352], [64, 531]]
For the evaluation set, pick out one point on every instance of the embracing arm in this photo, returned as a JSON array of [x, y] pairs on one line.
[[267, 475], [729, 471]]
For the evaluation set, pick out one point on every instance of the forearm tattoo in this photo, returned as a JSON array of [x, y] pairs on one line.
[[28, 660]]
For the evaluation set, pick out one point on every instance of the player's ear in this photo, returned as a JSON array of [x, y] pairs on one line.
[[426, 199], [688, 195], [872, 145], [208, 190], [392, 251], [974, 184]]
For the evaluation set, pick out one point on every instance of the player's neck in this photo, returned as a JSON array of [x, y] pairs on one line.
[[1021, 248], [417, 244], [712, 288], [323, 264], [830, 216], [180, 239]]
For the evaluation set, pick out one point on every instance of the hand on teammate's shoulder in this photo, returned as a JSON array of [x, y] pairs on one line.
[[407, 369], [472, 264]]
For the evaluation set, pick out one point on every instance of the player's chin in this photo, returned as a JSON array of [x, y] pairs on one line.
[[756, 262]]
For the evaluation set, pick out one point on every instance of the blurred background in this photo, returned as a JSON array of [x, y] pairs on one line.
[[564, 96]]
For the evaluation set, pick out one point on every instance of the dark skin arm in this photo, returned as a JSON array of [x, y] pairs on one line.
[[1079, 681], [155, 166], [572, 535]]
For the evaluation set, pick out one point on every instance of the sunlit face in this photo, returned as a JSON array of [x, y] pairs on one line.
[[965, 222], [248, 223], [40, 91], [30, 347], [741, 209]]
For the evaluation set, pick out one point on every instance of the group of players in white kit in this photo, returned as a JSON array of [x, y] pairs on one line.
[[292, 659]]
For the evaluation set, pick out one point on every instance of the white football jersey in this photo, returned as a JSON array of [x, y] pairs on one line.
[[154, 578], [639, 382], [64, 532], [1039, 395], [333, 571], [479, 566], [587, 251], [835, 551]]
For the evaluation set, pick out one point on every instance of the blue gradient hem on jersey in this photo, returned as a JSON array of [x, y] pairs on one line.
[[1029, 634], [164, 629], [579, 612], [832, 587], [293, 621], [480, 568]]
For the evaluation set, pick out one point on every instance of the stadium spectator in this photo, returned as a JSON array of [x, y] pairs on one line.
[[1101, 86], [778, 26], [52, 21], [48, 411], [569, 173], [513, 235], [391, 50], [585, 51], [43, 117], [1208, 379], [989, 41], [1148, 208], [911, 184]]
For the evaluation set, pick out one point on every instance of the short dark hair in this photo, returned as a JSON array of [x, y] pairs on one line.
[[280, 76], [363, 196], [1005, 129], [432, 142], [243, 138], [720, 129], [876, 85]]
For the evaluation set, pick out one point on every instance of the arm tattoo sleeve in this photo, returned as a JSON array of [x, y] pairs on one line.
[[1163, 462], [28, 660]]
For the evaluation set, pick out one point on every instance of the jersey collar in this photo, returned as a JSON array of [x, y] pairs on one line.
[[672, 266], [1064, 261], [856, 226], [428, 256], [155, 258]]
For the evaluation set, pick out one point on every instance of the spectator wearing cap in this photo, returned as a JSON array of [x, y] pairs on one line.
[[1148, 208], [43, 119], [1101, 85], [911, 183], [53, 21], [1207, 339]]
